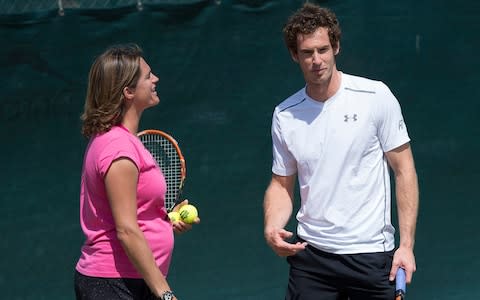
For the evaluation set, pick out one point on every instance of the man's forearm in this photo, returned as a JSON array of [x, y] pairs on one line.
[[407, 203], [277, 210]]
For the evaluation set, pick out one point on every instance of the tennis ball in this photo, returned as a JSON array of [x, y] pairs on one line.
[[174, 216], [188, 213]]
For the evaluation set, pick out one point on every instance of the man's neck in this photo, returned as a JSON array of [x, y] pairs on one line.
[[322, 92]]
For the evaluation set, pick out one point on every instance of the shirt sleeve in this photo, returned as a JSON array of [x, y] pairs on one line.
[[391, 127], [115, 149], [284, 164]]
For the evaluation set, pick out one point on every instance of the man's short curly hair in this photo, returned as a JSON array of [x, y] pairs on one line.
[[307, 20]]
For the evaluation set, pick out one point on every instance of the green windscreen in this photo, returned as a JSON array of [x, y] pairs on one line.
[[223, 67]]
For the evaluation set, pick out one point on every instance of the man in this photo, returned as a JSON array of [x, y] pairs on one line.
[[339, 134]]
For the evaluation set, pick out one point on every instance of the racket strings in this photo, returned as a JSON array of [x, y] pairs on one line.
[[168, 160]]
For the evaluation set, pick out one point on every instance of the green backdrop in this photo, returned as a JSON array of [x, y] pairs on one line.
[[222, 68]]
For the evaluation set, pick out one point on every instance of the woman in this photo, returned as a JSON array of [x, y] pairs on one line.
[[129, 238]]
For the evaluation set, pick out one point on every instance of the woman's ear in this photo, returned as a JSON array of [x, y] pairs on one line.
[[128, 93]]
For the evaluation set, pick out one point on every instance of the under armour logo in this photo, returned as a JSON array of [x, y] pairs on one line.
[[401, 125], [348, 118]]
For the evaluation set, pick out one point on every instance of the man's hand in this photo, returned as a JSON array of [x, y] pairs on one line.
[[403, 258], [276, 240]]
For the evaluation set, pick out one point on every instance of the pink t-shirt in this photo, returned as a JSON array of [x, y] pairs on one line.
[[102, 254]]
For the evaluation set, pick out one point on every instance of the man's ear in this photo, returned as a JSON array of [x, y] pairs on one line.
[[337, 49], [294, 55], [128, 93]]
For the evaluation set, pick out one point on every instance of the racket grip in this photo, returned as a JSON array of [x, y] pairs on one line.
[[401, 285]]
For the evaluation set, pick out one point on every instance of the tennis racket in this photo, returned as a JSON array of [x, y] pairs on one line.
[[166, 152], [401, 285]]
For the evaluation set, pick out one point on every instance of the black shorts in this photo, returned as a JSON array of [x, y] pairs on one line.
[[315, 274], [97, 288]]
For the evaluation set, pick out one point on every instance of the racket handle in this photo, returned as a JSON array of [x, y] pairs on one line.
[[401, 285]]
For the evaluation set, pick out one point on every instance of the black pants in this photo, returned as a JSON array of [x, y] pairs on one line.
[[318, 275], [97, 288]]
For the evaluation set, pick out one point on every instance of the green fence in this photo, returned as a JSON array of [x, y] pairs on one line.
[[222, 68]]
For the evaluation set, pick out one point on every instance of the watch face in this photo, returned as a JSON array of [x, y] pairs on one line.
[[167, 296]]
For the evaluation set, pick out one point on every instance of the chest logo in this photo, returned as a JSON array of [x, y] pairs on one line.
[[349, 118]]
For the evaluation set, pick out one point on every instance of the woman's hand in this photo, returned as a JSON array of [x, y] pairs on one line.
[[179, 226]]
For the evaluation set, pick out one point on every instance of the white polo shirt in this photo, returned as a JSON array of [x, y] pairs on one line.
[[337, 150]]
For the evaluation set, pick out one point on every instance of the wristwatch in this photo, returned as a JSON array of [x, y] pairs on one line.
[[167, 295]]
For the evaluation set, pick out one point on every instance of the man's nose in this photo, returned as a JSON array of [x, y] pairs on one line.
[[316, 57]]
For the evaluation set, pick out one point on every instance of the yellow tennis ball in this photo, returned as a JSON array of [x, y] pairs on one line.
[[188, 213], [174, 216]]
